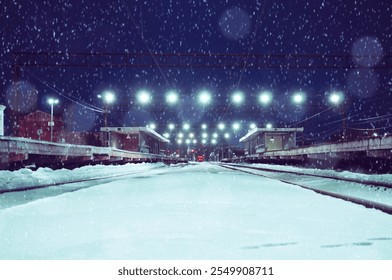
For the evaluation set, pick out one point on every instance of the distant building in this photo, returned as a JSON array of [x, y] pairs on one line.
[[36, 126], [260, 140], [136, 139]]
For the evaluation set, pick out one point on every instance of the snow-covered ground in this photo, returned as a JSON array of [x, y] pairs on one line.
[[198, 211]]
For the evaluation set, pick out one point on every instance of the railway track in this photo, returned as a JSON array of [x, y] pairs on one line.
[[297, 179]]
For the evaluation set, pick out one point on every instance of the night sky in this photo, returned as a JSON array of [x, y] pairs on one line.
[[344, 27]]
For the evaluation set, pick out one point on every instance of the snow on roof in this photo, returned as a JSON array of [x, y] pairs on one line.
[[133, 130], [256, 131]]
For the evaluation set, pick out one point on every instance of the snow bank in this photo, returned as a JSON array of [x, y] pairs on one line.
[[26, 178], [381, 178]]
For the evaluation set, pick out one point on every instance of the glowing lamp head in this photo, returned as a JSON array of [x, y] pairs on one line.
[[171, 126], [336, 97], [236, 126], [144, 97], [172, 97], [299, 98], [186, 126], [237, 97], [205, 98], [53, 101], [265, 97], [109, 97], [152, 126]]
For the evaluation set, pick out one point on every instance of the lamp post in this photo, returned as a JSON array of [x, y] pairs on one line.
[[336, 98], [108, 98], [52, 102]]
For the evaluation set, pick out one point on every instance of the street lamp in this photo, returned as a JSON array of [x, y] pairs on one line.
[[299, 98], [221, 126], [172, 97], [204, 97], [153, 126], [144, 97], [269, 125], [252, 126], [336, 97], [51, 102], [108, 98], [236, 126], [237, 97], [265, 97], [186, 126], [171, 126]]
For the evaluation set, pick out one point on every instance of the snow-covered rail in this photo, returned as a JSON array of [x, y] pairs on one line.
[[330, 186]]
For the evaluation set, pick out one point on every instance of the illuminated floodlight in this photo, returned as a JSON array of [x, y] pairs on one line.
[[172, 97], [152, 126], [203, 141], [298, 98], [204, 135], [237, 97], [269, 125], [252, 126], [144, 97], [265, 97], [188, 141], [221, 126], [171, 126], [191, 135], [186, 126], [166, 135], [215, 135], [203, 126], [227, 135], [53, 101], [194, 141], [236, 126], [336, 97], [213, 141], [108, 97], [205, 97], [179, 141], [180, 135]]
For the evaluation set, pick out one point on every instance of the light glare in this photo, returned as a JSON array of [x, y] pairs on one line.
[[336, 98], [265, 97], [204, 97], [172, 97], [109, 97], [144, 97], [236, 126], [53, 101], [299, 98], [237, 97]]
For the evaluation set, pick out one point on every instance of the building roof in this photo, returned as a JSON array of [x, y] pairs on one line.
[[254, 132], [40, 114], [135, 130]]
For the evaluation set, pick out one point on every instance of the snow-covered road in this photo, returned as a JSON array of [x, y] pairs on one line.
[[199, 211]]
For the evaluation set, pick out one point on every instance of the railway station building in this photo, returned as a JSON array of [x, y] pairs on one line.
[[260, 140], [135, 139]]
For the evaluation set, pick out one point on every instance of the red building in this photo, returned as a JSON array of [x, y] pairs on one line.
[[36, 125]]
